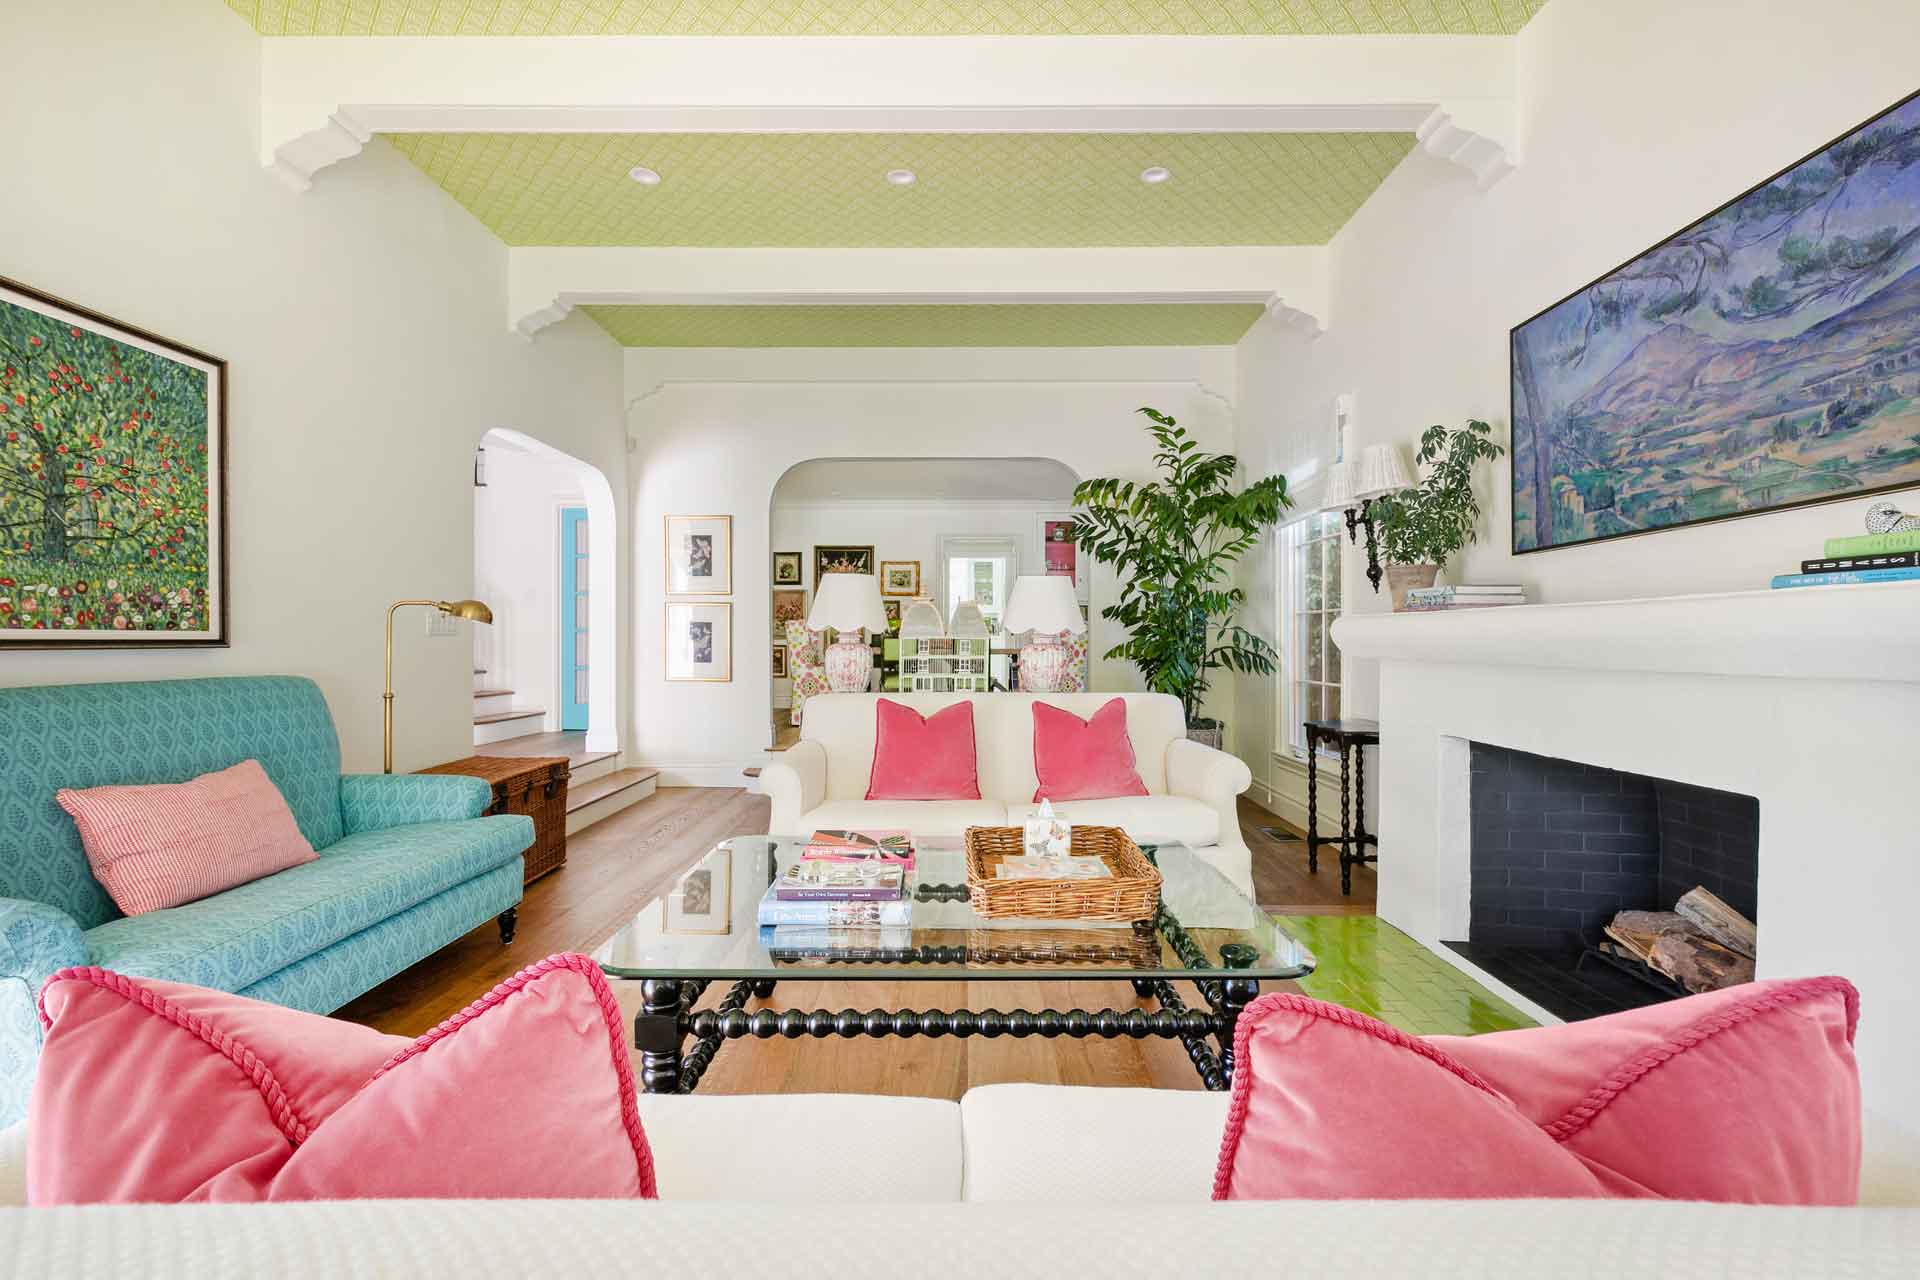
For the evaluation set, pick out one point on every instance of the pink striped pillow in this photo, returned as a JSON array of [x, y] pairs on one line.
[[167, 843]]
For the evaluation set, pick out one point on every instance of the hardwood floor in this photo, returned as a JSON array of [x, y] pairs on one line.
[[618, 865]]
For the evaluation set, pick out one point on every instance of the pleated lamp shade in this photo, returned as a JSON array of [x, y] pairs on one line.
[[1337, 492], [1382, 469]]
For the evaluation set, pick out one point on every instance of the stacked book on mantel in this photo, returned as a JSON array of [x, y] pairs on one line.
[[1868, 557], [1429, 599], [849, 889]]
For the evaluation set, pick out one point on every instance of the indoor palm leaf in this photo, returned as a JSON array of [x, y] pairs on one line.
[[1174, 541]]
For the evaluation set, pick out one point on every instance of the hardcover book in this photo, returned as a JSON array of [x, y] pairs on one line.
[[1874, 544], [826, 914], [834, 880], [1850, 579], [845, 845], [1896, 560]]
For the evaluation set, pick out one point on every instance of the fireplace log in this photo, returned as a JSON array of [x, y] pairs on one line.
[[1636, 931], [1719, 921], [1699, 963]]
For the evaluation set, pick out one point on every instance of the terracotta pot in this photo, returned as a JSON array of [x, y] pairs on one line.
[[1402, 578]]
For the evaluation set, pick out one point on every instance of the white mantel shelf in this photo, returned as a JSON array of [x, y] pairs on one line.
[[1869, 632]]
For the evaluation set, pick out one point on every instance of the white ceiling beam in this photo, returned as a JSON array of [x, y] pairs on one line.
[[545, 284], [321, 99]]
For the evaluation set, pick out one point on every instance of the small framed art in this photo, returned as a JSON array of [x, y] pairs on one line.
[[699, 555], [789, 605], [787, 568], [699, 641], [899, 577], [779, 662], [893, 616], [841, 560], [701, 900]]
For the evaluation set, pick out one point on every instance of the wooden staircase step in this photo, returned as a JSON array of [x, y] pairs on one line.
[[612, 784], [492, 693], [498, 717]]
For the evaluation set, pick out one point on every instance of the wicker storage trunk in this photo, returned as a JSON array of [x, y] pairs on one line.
[[533, 785]]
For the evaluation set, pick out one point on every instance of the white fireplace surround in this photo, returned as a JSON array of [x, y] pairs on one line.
[[1808, 700]]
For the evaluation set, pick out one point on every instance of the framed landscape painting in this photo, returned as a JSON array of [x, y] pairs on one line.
[[1768, 356], [112, 482], [899, 577]]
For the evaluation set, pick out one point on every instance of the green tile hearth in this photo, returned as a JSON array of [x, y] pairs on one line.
[[1372, 967]]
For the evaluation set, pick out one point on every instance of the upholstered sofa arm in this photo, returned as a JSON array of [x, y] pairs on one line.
[[36, 942], [1202, 773], [376, 801], [796, 781]]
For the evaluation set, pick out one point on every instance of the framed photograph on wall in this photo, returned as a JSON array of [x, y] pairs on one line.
[[840, 560], [701, 900], [899, 577], [113, 501], [788, 567], [1765, 357], [779, 662], [699, 641], [699, 555], [789, 605]]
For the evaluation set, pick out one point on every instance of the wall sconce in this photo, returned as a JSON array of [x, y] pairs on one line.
[[1352, 487]]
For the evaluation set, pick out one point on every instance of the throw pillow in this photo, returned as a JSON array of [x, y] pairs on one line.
[[918, 757], [1077, 759], [1745, 1095], [155, 1091], [163, 844]]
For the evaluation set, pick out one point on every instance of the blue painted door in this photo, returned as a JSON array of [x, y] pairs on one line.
[[574, 676]]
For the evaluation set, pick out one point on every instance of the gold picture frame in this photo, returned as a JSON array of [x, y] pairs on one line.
[[900, 578], [698, 641], [789, 569], [780, 662], [699, 555]]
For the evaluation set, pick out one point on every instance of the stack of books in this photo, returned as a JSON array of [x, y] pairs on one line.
[[1426, 599], [1869, 557], [849, 888]]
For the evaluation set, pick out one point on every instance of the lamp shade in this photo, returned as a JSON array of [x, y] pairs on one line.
[[847, 602], [1382, 469], [1337, 493], [1044, 603]]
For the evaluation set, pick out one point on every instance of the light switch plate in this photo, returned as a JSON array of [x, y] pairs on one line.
[[442, 624]]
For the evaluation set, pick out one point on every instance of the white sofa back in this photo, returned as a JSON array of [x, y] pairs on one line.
[[843, 723]]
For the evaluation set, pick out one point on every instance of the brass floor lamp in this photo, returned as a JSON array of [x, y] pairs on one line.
[[471, 610]]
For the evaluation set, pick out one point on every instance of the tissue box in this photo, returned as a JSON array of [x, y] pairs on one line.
[[1048, 836]]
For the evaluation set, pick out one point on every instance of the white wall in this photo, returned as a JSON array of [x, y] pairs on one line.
[[715, 430], [1639, 116], [362, 323], [516, 570]]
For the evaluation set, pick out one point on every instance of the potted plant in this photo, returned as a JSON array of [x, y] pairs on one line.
[[1173, 542], [1422, 526]]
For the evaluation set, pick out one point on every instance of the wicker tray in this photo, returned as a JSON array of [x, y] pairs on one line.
[[1131, 893]]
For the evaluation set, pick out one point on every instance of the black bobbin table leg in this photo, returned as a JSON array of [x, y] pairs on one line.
[[763, 987], [656, 1034], [1235, 995], [1313, 810], [1346, 829], [1143, 987]]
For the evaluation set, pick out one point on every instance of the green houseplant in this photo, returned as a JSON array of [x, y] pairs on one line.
[[1422, 526], [1174, 541]]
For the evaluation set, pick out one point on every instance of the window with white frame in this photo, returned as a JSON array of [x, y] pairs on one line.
[[1309, 684]]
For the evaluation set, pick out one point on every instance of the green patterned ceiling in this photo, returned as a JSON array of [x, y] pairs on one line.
[[885, 17], [828, 190], [986, 325]]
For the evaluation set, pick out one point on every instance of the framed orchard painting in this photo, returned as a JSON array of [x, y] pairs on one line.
[[112, 482], [699, 555], [1765, 357]]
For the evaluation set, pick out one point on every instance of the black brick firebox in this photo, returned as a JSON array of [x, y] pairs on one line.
[[1558, 848]]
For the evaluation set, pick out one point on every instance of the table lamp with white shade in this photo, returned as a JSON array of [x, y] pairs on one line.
[[1044, 606], [848, 603]]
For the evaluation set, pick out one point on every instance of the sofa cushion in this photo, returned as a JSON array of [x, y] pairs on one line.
[[237, 937], [918, 757], [155, 1092], [1056, 1143], [164, 843], [1148, 819], [1084, 759], [921, 817]]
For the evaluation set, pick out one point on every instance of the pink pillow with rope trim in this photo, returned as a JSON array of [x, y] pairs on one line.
[[1748, 1095], [157, 1092]]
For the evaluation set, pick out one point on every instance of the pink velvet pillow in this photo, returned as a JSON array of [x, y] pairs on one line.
[[158, 1092], [1079, 759], [1746, 1095], [918, 757], [163, 844]]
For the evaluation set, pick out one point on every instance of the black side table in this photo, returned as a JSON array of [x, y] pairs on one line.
[[1347, 737]]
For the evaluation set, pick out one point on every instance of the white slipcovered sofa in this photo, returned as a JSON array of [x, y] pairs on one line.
[[1018, 1179], [821, 781]]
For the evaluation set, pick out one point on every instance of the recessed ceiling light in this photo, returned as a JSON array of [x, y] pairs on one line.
[[902, 177], [644, 176], [1156, 175]]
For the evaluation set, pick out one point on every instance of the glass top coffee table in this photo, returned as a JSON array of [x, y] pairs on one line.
[[705, 930]]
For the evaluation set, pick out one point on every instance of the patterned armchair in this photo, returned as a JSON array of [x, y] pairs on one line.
[[806, 664], [1076, 681]]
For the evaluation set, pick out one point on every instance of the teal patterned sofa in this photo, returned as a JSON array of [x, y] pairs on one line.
[[406, 865]]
